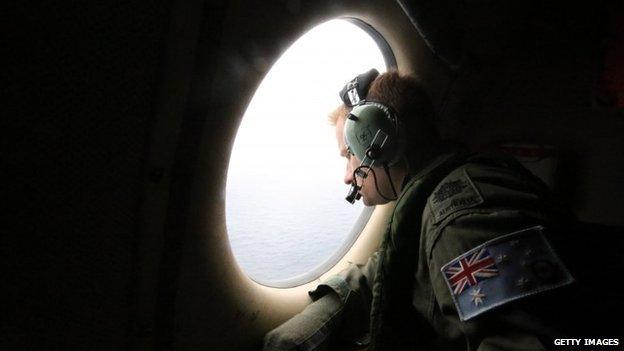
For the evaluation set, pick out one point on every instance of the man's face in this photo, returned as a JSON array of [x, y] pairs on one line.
[[370, 195]]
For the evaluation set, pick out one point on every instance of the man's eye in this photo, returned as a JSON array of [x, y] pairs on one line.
[[361, 173], [349, 153]]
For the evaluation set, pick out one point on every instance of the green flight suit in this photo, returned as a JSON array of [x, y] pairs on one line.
[[399, 299]]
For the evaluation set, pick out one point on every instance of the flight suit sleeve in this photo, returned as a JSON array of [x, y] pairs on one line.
[[464, 224], [508, 327], [308, 330], [339, 313]]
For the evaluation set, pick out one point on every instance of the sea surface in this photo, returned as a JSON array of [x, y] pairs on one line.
[[285, 221]]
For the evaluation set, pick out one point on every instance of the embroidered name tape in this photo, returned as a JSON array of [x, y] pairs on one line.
[[504, 269], [456, 193]]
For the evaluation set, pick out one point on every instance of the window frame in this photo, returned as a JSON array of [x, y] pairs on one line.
[[366, 213]]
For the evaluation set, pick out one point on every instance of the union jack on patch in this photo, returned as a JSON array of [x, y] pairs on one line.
[[470, 270]]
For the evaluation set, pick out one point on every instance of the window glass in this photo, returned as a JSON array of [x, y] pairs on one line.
[[285, 208]]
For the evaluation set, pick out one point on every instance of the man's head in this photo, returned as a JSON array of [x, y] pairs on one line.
[[409, 103]]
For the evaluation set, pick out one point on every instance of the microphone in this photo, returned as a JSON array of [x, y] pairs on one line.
[[353, 194]]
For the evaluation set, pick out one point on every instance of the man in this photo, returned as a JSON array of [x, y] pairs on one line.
[[466, 262]]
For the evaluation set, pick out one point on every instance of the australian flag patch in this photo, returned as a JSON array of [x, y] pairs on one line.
[[470, 270], [504, 269]]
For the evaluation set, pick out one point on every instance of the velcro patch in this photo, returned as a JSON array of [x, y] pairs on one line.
[[504, 269], [454, 194]]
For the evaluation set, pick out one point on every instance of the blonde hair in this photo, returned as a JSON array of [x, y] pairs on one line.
[[338, 113]]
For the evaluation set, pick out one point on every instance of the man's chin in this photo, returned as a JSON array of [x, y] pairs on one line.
[[368, 202], [373, 202]]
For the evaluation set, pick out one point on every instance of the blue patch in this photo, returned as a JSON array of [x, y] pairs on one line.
[[504, 269]]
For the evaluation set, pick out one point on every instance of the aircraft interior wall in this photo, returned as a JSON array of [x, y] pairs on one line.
[[79, 85], [122, 118]]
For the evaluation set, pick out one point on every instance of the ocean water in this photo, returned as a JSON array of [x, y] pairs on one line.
[[284, 221]]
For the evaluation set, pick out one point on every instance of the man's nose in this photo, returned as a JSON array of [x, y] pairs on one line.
[[348, 177]]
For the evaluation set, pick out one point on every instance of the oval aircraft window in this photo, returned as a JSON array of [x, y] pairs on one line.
[[287, 218]]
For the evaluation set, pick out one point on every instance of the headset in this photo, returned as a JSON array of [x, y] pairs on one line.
[[373, 133]]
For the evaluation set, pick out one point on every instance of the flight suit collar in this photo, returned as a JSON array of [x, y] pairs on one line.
[[446, 154]]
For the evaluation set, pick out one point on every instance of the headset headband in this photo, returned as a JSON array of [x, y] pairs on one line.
[[356, 90]]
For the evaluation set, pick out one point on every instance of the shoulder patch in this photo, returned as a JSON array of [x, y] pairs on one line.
[[504, 269], [456, 192]]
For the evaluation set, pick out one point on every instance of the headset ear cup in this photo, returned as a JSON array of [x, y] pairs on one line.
[[373, 152], [401, 143], [374, 133]]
